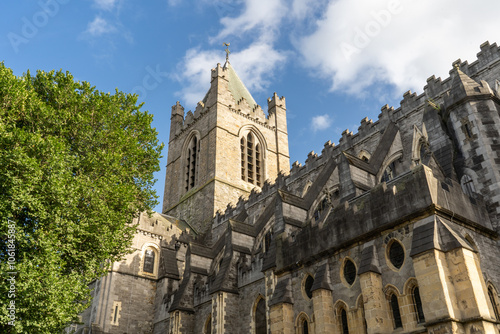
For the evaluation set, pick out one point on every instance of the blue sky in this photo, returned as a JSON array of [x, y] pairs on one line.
[[335, 61]]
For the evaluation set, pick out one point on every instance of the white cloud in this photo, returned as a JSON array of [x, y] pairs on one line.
[[254, 65], [100, 27], [358, 44], [262, 15], [105, 4], [321, 122]]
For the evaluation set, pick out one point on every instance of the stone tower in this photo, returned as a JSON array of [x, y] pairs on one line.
[[223, 150]]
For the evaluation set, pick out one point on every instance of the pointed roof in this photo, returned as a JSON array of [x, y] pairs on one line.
[[236, 86]]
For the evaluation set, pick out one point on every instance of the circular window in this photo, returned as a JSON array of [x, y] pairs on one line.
[[308, 286], [396, 254], [349, 272]]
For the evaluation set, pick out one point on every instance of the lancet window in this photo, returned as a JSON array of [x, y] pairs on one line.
[[192, 162], [251, 160]]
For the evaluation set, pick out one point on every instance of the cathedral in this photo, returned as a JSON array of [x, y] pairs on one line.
[[392, 230]]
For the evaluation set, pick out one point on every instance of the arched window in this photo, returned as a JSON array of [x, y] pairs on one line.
[[417, 303], [320, 209], [192, 161], [343, 320], [389, 172], [396, 315], [302, 323], [251, 160], [468, 185], [260, 317], [493, 300], [208, 325], [149, 261]]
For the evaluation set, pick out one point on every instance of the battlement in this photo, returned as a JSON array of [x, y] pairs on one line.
[[435, 91]]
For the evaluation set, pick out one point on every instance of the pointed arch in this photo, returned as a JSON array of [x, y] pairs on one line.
[[302, 324], [191, 160], [392, 294], [259, 316], [342, 317], [412, 293], [253, 150], [493, 296], [207, 329]]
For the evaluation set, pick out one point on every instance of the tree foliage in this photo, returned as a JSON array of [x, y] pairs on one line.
[[76, 165]]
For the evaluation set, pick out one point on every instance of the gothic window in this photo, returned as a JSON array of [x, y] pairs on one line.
[[305, 327], [320, 209], [417, 303], [349, 272], [468, 185], [192, 161], [267, 241], [389, 172], [260, 317], [208, 325], [343, 320], [149, 261], [308, 286], [396, 315], [396, 254], [251, 160], [493, 300]]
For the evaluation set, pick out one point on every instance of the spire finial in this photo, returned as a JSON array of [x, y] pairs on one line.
[[457, 65], [227, 50]]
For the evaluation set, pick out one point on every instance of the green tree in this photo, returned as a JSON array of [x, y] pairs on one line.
[[76, 165]]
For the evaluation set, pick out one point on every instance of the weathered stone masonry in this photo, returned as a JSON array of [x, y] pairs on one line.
[[395, 229]]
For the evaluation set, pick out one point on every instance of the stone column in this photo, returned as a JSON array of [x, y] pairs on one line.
[[323, 311], [376, 307], [282, 318]]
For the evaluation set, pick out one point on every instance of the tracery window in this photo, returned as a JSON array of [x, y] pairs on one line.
[[389, 172], [251, 160], [320, 209], [396, 254], [149, 261], [192, 162]]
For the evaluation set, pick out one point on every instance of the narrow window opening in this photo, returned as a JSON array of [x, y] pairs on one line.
[[396, 254], [305, 327], [468, 132], [149, 261], [345, 325], [395, 312], [491, 294], [192, 162], [418, 305], [260, 317], [116, 314], [349, 272]]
